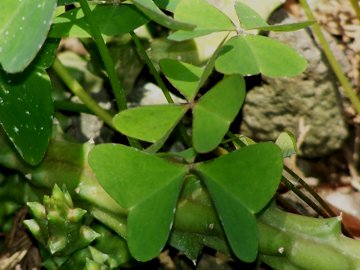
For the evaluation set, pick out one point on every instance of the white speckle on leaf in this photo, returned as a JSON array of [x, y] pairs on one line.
[[1, 101], [20, 28], [281, 250], [27, 112], [16, 129], [44, 22], [6, 33], [23, 18], [39, 5], [41, 128], [211, 226]]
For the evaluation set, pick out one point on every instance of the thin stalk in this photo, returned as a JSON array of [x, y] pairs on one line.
[[71, 107], [160, 82], [301, 195], [356, 7], [105, 56], [349, 91], [151, 67], [80, 92], [311, 191]]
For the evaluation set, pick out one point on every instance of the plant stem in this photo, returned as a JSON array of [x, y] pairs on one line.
[[71, 107], [79, 91], [160, 82], [151, 67], [105, 55], [311, 191], [301, 195], [356, 8], [349, 91]]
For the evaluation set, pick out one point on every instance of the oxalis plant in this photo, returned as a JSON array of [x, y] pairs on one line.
[[108, 205]]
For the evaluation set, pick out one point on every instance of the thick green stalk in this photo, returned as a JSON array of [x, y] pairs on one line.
[[80, 92], [349, 91], [105, 55]]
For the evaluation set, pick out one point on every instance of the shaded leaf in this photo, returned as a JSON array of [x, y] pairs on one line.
[[149, 123], [150, 9], [204, 16], [250, 55], [241, 183], [215, 111], [183, 76], [146, 185], [26, 110], [23, 30], [111, 19]]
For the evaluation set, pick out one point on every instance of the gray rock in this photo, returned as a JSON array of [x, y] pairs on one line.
[[306, 105]]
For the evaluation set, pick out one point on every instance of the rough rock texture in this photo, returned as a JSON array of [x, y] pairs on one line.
[[306, 105]]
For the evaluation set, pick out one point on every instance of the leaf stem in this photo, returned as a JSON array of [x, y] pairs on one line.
[[349, 91], [80, 92], [160, 82], [151, 67], [105, 56]]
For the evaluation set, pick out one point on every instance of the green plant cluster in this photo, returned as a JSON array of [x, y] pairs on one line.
[[122, 203]]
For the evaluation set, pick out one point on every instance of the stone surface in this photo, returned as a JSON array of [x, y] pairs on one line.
[[306, 105]]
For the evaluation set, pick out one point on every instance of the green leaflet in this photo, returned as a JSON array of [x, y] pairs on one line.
[[215, 111], [146, 185], [149, 123], [204, 16], [23, 29], [287, 143], [111, 19], [250, 19], [26, 110], [232, 181], [250, 55], [183, 76], [150, 9]]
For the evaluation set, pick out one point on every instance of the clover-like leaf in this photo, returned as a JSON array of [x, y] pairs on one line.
[[147, 186], [250, 55], [149, 123], [150, 9], [183, 76], [250, 19], [111, 19], [206, 17], [241, 183], [287, 143], [215, 111], [26, 109], [23, 30]]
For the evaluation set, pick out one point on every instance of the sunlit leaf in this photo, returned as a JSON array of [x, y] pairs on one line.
[[26, 110], [215, 111], [287, 143], [149, 123], [241, 183], [23, 30], [146, 185], [204, 16], [250, 19], [250, 55]]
